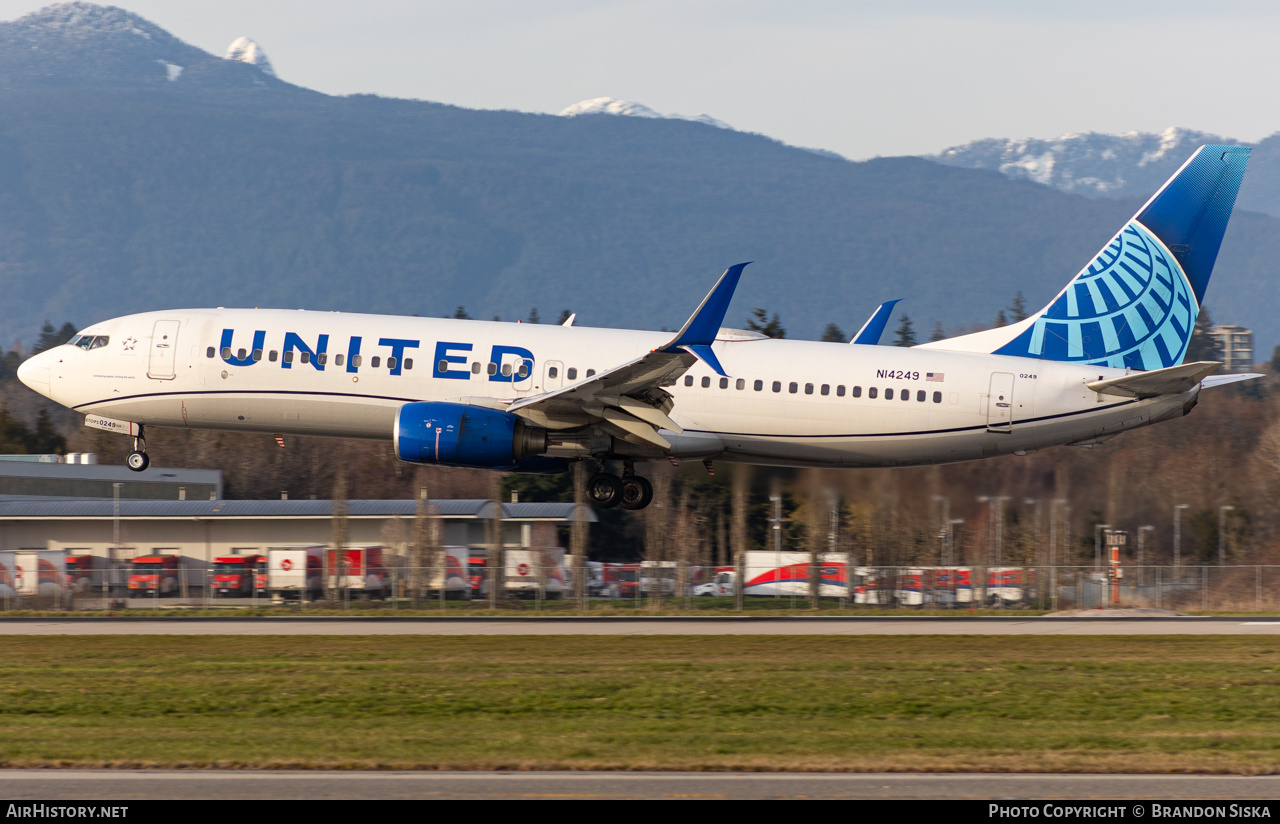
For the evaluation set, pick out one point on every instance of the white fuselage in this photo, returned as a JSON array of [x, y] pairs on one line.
[[794, 403]]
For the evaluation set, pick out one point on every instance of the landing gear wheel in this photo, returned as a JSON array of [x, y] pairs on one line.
[[137, 461], [604, 490], [637, 492]]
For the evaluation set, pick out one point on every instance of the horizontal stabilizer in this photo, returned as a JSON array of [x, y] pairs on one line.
[[1234, 377], [1171, 381], [871, 331]]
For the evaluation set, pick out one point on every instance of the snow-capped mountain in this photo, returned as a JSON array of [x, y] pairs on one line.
[[245, 50], [80, 43], [628, 108], [1087, 163]]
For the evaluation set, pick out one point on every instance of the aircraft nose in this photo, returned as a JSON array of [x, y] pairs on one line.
[[34, 372]]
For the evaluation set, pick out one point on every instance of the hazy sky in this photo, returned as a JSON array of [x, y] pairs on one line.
[[859, 78]]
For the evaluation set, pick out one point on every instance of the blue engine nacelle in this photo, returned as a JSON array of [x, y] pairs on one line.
[[459, 435]]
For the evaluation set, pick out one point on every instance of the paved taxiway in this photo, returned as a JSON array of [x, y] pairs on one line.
[[640, 626], [52, 786]]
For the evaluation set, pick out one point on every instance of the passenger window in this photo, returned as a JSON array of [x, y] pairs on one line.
[[375, 361], [226, 353], [937, 397], [506, 370], [305, 357], [272, 355], [906, 394], [322, 358], [724, 383], [257, 355], [475, 368], [871, 392], [808, 389], [857, 391], [408, 363], [920, 396], [492, 369], [590, 372], [826, 389], [240, 353], [391, 362], [572, 374], [777, 386], [553, 371], [288, 356], [356, 360], [522, 372], [793, 387], [338, 360], [758, 386], [741, 384], [688, 380], [210, 352], [706, 381], [888, 394], [840, 391]]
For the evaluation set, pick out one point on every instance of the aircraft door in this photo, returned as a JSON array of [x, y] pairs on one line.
[[164, 351], [1000, 403], [552, 375]]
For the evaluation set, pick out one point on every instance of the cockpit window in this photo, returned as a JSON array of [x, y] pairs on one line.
[[90, 341]]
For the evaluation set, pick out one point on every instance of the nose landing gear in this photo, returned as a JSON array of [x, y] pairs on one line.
[[138, 459]]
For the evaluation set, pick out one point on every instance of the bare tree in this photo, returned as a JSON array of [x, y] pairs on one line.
[[494, 562], [578, 536], [339, 533], [738, 539]]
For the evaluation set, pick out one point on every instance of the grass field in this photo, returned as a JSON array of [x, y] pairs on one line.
[[1076, 704]]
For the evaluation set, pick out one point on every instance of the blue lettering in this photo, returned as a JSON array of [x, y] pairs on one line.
[[397, 351], [443, 359], [353, 351], [224, 350], [292, 341], [526, 359]]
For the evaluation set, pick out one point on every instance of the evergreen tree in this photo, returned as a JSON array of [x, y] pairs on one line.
[[1204, 345], [1018, 309], [833, 334], [906, 333], [47, 340], [46, 440], [1001, 320], [1275, 361], [461, 313], [565, 314], [769, 327], [533, 316], [937, 333]]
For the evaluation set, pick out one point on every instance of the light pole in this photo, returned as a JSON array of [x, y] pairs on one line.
[[1177, 536], [1222, 534], [1057, 505], [951, 540], [946, 520], [998, 500], [776, 524], [1097, 545], [1142, 530], [1035, 532]]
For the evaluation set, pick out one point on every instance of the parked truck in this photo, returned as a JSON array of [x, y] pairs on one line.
[[294, 572], [357, 571], [154, 576], [93, 574], [236, 576]]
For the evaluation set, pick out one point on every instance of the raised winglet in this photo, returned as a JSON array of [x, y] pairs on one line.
[[871, 331], [699, 331]]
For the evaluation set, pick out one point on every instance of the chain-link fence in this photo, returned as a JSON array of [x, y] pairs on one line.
[[571, 586]]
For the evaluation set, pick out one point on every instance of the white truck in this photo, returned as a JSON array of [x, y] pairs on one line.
[[533, 572], [294, 572]]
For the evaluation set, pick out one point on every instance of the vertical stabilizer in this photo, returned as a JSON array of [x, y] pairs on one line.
[[1136, 303]]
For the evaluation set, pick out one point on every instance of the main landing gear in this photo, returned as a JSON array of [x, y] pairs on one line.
[[138, 459], [606, 490]]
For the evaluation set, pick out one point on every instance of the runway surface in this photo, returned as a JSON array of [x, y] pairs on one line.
[[125, 785], [640, 626]]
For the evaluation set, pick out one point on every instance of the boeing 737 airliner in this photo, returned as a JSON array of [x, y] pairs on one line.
[[1104, 356]]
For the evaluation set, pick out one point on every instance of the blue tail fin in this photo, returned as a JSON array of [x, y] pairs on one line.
[[1135, 304]]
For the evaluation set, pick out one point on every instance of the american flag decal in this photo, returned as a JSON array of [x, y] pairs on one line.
[[936, 377]]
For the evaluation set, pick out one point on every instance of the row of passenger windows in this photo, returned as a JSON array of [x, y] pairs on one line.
[[305, 357], [824, 389]]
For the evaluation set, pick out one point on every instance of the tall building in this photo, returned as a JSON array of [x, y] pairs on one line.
[[1237, 347]]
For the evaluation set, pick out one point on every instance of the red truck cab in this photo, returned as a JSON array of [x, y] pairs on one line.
[[154, 575], [237, 576]]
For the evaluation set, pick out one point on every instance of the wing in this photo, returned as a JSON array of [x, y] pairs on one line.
[[628, 401]]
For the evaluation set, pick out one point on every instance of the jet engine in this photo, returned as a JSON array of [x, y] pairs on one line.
[[456, 434]]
